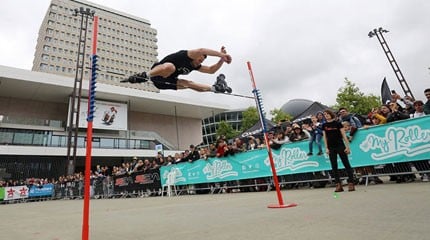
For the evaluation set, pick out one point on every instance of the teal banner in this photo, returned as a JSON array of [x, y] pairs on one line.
[[401, 141]]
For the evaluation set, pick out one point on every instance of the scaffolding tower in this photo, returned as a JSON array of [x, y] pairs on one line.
[[379, 34]]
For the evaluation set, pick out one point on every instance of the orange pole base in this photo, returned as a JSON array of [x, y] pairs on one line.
[[282, 206]]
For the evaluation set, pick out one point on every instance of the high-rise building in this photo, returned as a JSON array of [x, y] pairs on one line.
[[126, 44]]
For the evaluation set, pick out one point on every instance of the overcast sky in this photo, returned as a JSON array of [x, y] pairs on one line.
[[298, 49]]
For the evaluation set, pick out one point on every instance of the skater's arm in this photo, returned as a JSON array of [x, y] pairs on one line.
[[196, 53], [224, 57], [211, 69]]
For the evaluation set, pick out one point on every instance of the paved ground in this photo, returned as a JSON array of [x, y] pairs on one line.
[[387, 211]]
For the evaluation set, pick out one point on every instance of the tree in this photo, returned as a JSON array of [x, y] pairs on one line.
[[351, 98], [249, 118], [225, 129], [279, 115]]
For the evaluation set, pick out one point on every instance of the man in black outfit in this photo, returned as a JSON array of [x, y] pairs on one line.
[[164, 74]]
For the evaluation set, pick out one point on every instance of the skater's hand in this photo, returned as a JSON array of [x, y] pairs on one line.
[[223, 50], [226, 58]]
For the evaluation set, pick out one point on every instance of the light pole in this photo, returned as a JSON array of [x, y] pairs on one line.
[[379, 34], [75, 99]]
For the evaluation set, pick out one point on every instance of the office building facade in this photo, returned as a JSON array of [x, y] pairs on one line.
[[126, 44]]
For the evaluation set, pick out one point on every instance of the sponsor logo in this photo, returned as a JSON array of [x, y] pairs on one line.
[[397, 141], [291, 158], [219, 169]]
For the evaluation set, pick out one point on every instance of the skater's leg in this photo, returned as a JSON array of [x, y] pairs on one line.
[[158, 70], [200, 87], [163, 70]]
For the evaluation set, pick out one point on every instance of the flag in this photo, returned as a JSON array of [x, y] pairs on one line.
[[385, 92]]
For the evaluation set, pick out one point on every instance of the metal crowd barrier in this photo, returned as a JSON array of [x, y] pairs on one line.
[[145, 184], [397, 172]]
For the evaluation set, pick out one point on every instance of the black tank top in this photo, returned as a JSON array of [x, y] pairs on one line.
[[181, 61]]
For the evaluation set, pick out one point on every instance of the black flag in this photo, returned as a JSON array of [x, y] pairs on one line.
[[385, 92]]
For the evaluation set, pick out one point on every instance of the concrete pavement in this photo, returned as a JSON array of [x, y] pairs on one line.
[[387, 211]]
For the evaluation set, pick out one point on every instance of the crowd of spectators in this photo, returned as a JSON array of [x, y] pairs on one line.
[[309, 129]]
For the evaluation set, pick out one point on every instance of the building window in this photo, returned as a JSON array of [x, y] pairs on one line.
[[43, 66]]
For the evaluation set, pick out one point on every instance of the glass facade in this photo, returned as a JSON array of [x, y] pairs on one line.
[[26, 137], [210, 124]]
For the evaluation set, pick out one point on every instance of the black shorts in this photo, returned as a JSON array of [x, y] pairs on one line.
[[164, 83]]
